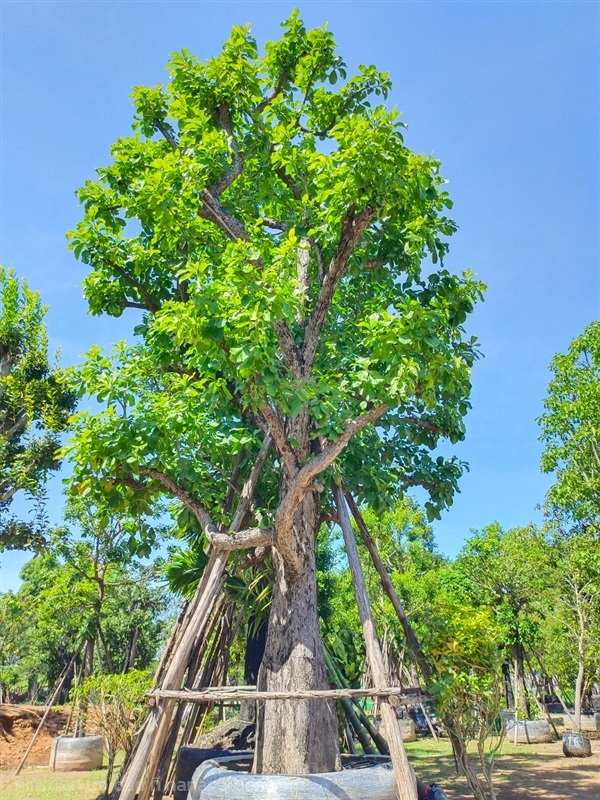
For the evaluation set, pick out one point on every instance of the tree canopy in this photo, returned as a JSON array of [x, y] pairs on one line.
[[273, 228], [571, 429], [286, 250], [35, 405]]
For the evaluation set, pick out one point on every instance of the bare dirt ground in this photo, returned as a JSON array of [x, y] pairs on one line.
[[522, 772], [17, 726], [547, 773]]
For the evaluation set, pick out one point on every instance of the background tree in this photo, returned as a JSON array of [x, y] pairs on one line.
[[278, 236], [571, 610], [35, 405], [507, 571], [89, 587], [119, 702], [571, 429]]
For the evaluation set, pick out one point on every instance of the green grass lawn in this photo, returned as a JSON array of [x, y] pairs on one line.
[[38, 783]]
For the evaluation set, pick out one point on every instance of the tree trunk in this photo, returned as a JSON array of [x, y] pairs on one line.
[[132, 651], [296, 736], [86, 671], [578, 695], [520, 686]]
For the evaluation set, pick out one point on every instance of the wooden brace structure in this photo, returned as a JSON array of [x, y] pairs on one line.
[[144, 774]]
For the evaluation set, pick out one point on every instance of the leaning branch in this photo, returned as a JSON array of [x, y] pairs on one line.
[[277, 431], [236, 540], [166, 132], [353, 227], [214, 211], [223, 118]]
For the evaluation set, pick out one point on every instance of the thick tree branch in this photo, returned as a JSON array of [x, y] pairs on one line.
[[150, 305], [276, 224], [223, 118], [302, 264], [278, 88], [316, 248], [167, 133], [353, 227], [303, 480], [254, 559], [292, 354], [289, 182], [14, 427], [214, 211], [282, 445], [235, 539]]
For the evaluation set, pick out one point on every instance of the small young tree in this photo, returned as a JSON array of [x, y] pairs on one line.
[[286, 249], [118, 703], [35, 405], [571, 632]]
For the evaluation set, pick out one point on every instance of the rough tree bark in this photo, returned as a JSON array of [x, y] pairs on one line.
[[296, 736], [521, 700]]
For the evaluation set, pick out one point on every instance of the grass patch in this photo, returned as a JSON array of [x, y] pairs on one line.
[[39, 783]]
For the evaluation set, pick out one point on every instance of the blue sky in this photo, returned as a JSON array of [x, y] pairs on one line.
[[506, 94]]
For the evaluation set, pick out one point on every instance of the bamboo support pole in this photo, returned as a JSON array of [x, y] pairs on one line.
[[57, 689], [157, 727], [412, 643], [405, 779], [362, 718], [428, 721]]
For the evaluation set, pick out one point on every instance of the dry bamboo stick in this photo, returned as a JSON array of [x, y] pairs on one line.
[[57, 689], [231, 695], [405, 779], [157, 725]]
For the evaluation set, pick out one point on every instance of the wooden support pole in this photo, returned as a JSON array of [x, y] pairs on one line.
[[157, 727], [138, 777], [379, 740], [429, 723], [459, 747], [413, 644], [57, 689], [233, 694], [405, 778]]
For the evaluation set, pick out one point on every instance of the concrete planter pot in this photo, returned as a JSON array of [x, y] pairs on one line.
[[574, 744], [76, 755], [214, 781], [188, 761], [530, 731], [590, 723]]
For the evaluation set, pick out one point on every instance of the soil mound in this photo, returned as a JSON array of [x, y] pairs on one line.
[[17, 726]]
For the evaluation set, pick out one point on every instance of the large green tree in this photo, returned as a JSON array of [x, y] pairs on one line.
[[35, 405], [286, 249], [571, 429]]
